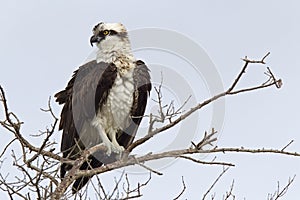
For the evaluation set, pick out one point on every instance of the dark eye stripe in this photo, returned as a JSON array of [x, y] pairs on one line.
[[111, 32], [101, 34]]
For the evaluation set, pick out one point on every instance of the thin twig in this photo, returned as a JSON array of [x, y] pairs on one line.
[[280, 193], [229, 193], [182, 191], [215, 182], [207, 163], [6, 147], [286, 146], [150, 169]]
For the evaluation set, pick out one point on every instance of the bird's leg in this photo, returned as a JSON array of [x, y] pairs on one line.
[[117, 147], [112, 145], [107, 142], [103, 136]]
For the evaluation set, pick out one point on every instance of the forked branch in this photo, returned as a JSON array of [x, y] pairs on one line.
[[230, 91]]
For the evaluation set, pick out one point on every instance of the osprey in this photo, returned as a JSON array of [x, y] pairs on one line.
[[104, 101]]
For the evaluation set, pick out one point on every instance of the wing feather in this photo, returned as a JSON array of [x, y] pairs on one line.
[[84, 95], [142, 86]]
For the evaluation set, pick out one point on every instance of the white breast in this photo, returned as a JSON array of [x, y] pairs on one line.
[[115, 113]]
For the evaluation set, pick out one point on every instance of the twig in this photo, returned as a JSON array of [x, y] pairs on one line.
[[207, 139], [278, 83], [49, 132], [207, 163], [182, 191], [280, 193], [286, 146], [229, 193], [262, 61], [137, 190], [215, 182], [99, 189], [6, 147], [150, 169], [117, 182]]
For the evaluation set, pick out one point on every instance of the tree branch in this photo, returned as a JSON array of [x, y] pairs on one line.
[[229, 91], [280, 193], [182, 191], [215, 182]]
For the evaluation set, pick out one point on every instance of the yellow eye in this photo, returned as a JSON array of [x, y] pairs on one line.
[[106, 32]]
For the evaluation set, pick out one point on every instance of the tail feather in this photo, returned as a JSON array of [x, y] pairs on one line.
[[82, 181]]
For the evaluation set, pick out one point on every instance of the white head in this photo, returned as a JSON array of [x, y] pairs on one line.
[[111, 37]]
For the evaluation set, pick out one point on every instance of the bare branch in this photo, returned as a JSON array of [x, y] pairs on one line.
[[286, 146], [230, 91], [177, 153], [215, 182], [117, 182], [6, 147], [182, 191], [229, 193], [150, 169], [136, 192], [281, 192], [207, 163], [14, 127]]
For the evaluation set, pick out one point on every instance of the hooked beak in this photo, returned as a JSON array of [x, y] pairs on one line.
[[94, 39]]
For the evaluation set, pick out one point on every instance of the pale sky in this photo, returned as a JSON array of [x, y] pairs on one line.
[[43, 42]]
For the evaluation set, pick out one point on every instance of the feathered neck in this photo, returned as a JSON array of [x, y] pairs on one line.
[[114, 49]]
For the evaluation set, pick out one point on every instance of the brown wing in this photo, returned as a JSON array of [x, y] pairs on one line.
[[85, 93], [142, 89]]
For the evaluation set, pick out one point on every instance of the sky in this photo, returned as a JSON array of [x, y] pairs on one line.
[[43, 42]]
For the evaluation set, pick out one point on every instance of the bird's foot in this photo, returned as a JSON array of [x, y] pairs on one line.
[[115, 148]]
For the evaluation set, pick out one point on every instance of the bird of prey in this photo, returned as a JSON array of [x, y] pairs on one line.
[[104, 101]]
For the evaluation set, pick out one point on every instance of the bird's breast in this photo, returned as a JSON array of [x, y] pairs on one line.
[[117, 109]]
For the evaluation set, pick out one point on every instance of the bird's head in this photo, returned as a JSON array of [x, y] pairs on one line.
[[110, 36]]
